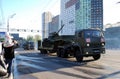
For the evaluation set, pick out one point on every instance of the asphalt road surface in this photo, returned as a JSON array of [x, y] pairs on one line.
[[33, 65]]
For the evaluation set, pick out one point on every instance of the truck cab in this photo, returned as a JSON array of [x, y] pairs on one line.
[[90, 42]]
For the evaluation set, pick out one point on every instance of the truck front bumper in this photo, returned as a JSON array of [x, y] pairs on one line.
[[93, 51]]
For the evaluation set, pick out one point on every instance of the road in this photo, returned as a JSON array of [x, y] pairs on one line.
[[33, 65]]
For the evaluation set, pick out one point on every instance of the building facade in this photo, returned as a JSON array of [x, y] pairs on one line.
[[81, 14], [97, 13], [67, 17], [112, 37], [46, 18], [54, 25]]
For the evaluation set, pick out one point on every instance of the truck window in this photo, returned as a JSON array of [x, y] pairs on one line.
[[92, 33]]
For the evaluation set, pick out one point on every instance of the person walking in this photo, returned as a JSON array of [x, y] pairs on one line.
[[8, 47]]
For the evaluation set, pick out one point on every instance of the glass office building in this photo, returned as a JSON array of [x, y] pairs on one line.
[[81, 14], [46, 18], [97, 13]]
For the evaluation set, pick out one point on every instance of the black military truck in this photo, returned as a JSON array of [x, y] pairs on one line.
[[85, 43]]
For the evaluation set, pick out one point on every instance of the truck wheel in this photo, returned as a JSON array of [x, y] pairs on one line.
[[58, 53], [96, 57], [66, 55], [43, 51], [63, 53], [79, 57]]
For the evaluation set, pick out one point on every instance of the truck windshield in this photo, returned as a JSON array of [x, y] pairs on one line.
[[93, 33]]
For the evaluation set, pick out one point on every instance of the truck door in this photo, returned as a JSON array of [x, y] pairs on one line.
[[80, 38]]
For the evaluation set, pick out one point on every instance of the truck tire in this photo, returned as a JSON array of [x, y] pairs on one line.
[[79, 57], [63, 53], [43, 51], [58, 53], [96, 57]]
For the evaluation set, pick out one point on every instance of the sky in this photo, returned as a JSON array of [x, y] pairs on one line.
[[111, 11], [28, 12]]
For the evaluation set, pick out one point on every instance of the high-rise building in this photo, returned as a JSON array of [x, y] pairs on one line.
[[54, 25], [67, 17], [46, 18], [97, 13], [81, 14]]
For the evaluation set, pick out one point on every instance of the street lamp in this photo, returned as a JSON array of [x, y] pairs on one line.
[[11, 16]]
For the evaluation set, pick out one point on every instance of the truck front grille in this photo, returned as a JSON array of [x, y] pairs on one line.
[[95, 45]]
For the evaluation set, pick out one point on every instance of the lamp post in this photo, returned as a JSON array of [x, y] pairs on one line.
[[11, 16]]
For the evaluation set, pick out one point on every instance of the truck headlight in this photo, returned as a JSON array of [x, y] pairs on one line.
[[88, 45], [103, 44]]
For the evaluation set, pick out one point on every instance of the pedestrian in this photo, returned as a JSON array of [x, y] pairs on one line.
[[3, 70], [8, 47]]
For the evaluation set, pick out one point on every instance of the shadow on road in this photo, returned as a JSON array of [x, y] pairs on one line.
[[33, 64], [27, 63], [109, 75]]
